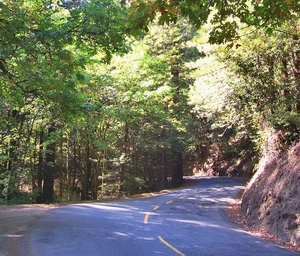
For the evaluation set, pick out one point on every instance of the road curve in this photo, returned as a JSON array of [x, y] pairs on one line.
[[190, 221]]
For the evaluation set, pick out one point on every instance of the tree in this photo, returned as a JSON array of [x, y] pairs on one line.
[[227, 17], [78, 121], [265, 92], [44, 49], [154, 100]]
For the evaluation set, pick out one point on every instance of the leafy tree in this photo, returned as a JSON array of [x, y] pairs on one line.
[[266, 68], [262, 79], [77, 121], [226, 17], [221, 146], [45, 48]]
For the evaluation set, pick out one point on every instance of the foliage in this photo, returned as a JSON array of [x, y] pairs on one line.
[[21, 198], [265, 84], [89, 129], [85, 112], [44, 51], [154, 104], [226, 17], [221, 146]]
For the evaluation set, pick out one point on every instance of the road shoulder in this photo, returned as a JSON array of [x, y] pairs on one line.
[[15, 220], [235, 215]]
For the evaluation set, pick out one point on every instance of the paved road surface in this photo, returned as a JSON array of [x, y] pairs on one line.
[[190, 221]]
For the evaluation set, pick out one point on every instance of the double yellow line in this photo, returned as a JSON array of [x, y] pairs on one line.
[[170, 246], [146, 219], [148, 214]]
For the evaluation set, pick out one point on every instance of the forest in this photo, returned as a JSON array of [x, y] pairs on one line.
[[108, 98]]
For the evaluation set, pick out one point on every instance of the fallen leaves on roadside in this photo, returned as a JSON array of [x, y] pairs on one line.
[[236, 216]]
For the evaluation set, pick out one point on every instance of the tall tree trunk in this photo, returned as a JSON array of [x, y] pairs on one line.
[[33, 158], [96, 171], [76, 167], [177, 173], [13, 152], [40, 174], [86, 173], [11, 169], [61, 169], [163, 180], [104, 169], [122, 158], [285, 76], [80, 171], [68, 173], [49, 172], [296, 65]]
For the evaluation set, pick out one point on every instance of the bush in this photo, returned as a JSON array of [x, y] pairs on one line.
[[21, 198], [289, 123]]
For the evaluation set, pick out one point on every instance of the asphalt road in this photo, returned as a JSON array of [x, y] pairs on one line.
[[190, 221]]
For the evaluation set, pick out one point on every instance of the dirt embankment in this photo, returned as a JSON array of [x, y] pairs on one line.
[[272, 198]]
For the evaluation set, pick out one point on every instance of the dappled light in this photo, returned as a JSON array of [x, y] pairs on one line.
[[140, 114], [108, 207], [198, 223], [184, 222]]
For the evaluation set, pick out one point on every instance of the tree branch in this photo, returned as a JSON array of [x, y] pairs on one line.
[[6, 73]]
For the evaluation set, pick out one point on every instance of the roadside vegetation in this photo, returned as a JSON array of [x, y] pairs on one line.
[[106, 98]]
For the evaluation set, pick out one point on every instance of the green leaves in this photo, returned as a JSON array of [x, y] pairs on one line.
[[265, 82], [224, 33], [225, 16], [273, 13], [98, 25], [44, 49]]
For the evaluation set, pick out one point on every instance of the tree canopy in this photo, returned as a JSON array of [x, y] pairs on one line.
[[227, 17], [108, 98]]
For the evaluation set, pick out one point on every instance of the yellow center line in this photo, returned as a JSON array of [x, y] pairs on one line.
[[146, 218], [155, 208], [170, 246], [169, 202]]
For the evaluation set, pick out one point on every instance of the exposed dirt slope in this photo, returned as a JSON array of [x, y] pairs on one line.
[[272, 198]]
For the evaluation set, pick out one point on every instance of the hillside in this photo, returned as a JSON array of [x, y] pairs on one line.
[[271, 199]]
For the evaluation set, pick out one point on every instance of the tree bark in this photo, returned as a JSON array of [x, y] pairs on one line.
[[296, 65], [285, 76], [40, 174], [49, 172], [122, 159], [177, 173]]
